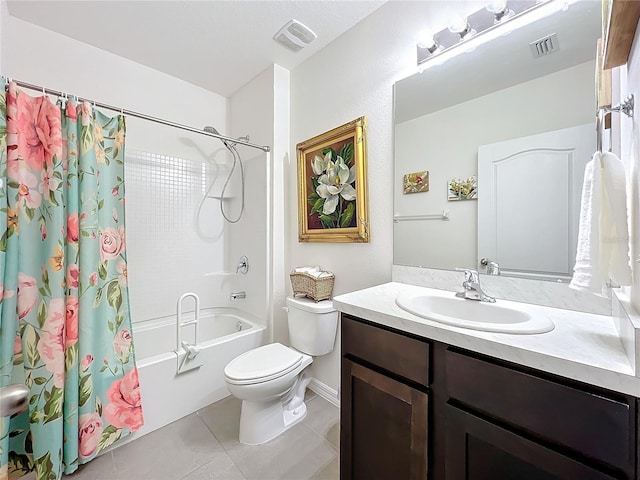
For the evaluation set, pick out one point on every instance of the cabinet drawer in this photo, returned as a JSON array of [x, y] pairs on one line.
[[404, 356], [588, 423]]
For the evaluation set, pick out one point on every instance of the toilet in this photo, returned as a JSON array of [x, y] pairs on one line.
[[271, 380]]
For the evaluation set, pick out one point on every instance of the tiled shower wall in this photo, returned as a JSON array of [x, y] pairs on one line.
[[169, 249]]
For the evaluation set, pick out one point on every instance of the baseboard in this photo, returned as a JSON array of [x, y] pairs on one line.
[[325, 391]]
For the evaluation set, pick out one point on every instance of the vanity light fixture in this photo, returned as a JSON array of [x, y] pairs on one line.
[[497, 18]]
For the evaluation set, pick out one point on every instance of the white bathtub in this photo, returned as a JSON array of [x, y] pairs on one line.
[[224, 333]]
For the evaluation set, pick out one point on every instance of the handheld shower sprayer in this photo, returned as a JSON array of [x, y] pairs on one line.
[[236, 159], [214, 130]]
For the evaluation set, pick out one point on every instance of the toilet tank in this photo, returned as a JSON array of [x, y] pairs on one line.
[[312, 326]]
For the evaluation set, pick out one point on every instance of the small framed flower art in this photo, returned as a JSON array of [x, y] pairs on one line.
[[463, 189], [332, 186], [415, 182]]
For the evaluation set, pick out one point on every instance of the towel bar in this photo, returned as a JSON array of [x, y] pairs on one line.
[[626, 107]]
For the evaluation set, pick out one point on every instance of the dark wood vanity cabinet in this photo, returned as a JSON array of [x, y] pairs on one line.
[[384, 404], [418, 409]]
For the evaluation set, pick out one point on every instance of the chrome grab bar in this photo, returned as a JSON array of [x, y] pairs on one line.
[[180, 323], [13, 399]]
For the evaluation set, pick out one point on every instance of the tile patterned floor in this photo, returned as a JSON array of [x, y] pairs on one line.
[[204, 446]]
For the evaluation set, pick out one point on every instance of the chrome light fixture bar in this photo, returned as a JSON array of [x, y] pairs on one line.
[[497, 18]]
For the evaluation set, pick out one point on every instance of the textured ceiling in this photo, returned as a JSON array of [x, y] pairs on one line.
[[218, 45]]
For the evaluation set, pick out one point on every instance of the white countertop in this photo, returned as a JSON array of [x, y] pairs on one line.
[[582, 346]]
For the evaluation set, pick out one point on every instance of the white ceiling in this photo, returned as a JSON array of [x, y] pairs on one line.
[[218, 45]]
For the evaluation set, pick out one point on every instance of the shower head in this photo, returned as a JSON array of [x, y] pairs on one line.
[[210, 129]]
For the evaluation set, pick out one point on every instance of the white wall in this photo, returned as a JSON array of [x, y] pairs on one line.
[[166, 256], [446, 144], [261, 109], [281, 174], [4, 14], [351, 77]]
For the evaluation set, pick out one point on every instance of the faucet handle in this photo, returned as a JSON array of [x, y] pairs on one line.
[[243, 265], [470, 274]]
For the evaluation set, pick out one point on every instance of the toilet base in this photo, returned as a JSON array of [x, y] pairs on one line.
[[264, 421]]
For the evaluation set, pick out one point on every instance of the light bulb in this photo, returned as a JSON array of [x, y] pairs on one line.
[[427, 41], [458, 24], [500, 10], [497, 6], [461, 26]]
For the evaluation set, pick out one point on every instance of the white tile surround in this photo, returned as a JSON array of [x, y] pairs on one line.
[[583, 346], [178, 243], [538, 292], [166, 255]]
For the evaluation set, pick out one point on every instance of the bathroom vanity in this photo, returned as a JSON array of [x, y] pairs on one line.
[[423, 400]]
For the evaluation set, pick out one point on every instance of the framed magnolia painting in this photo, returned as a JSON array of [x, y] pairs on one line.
[[332, 186]]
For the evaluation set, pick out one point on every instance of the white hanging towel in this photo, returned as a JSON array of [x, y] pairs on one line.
[[603, 236]]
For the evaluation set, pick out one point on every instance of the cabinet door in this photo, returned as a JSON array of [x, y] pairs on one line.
[[479, 450], [383, 427]]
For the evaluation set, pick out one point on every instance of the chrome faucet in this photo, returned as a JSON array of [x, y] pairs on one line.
[[472, 289], [492, 267], [237, 295]]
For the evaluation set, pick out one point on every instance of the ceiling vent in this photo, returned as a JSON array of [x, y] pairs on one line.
[[295, 35], [545, 46]]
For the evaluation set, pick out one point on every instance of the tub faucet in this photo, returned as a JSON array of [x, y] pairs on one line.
[[237, 295], [472, 289]]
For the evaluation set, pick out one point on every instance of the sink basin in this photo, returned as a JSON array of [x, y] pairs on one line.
[[488, 317]]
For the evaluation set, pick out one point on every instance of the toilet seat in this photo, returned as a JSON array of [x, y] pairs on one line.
[[262, 364]]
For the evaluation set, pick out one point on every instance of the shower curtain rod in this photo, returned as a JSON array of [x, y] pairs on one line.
[[142, 116]]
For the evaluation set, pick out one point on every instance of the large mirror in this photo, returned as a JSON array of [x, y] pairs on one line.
[[522, 128]]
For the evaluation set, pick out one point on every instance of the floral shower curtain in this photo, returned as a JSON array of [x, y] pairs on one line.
[[65, 328]]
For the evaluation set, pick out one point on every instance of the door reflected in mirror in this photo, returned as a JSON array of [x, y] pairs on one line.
[[493, 101]]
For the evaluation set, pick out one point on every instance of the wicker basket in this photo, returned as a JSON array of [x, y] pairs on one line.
[[317, 288]]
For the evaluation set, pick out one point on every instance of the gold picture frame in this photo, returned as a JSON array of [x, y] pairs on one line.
[[332, 185]]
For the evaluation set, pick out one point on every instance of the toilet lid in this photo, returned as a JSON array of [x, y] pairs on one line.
[[262, 364]]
